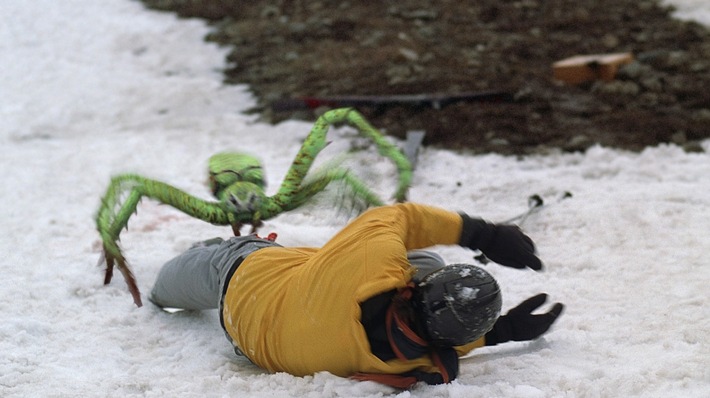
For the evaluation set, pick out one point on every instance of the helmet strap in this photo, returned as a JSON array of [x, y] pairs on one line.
[[407, 344]]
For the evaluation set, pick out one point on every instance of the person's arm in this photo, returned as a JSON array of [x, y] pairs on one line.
[[520, 324], [504, 244], [465, 349], [419, 226]]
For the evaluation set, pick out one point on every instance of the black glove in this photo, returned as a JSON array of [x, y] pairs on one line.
[[520, 324], [504, 244]]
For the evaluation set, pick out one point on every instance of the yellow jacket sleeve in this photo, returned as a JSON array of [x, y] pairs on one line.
[[465, 349], [418, 226]]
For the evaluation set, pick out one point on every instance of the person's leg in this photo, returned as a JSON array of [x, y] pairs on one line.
[[189, 281], [195, 280], [425, 262]]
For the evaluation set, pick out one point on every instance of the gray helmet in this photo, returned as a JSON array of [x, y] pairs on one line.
[[457, 304]]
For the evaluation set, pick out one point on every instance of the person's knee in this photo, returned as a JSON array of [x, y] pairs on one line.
[[187, 281], [208, 242]]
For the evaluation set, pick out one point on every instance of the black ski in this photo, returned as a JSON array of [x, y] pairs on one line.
[[436, 101]]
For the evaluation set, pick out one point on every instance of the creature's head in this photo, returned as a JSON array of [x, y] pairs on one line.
[[226, 168], [243, 199], [457, 304]]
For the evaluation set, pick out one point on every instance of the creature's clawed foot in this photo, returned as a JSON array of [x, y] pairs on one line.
[[256, 224], [236, 227], [120, 262]]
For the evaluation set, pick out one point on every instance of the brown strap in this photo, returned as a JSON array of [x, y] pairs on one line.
[[442, 368], [392, 320]]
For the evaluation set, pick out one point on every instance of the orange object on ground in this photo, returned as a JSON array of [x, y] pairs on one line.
[[584, 68]]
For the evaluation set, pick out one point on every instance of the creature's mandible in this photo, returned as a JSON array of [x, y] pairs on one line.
[[237, 182]]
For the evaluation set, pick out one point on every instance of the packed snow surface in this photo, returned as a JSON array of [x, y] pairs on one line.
[[89, 89]]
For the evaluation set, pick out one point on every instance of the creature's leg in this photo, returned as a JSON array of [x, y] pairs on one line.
[[358, 190], [315, 142], [110, 221], [385, 148], [110, 231]]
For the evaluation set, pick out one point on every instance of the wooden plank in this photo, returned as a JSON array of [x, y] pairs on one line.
[[585, 68]]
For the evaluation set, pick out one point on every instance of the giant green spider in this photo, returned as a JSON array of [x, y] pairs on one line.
[[237, 181]]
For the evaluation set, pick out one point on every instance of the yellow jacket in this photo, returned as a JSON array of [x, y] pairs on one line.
[[297, 310]]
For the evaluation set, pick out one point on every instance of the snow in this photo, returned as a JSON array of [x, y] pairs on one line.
[[468, 293], [89, 89]]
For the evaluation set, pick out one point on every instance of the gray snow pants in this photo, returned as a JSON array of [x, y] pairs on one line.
[[197, 278]]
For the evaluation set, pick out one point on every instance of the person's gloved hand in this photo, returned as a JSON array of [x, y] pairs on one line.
[[504, 244], [519, 324]]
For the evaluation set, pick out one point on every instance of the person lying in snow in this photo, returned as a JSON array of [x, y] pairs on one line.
[[368, 304]]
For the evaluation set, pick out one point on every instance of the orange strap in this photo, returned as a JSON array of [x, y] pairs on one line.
[[270, 237], [406, 345]]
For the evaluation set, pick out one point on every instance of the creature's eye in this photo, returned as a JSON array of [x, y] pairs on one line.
[[234, 200], [254, 201], [249, 203]]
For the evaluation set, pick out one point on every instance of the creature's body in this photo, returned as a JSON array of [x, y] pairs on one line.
[[237, 181]]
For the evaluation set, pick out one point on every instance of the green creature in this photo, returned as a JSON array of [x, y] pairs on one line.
[[237, 181]]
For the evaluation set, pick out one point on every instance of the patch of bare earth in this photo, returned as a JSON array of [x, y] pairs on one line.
[[285, 49]]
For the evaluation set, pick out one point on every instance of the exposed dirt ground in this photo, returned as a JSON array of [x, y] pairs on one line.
[[290, 48]]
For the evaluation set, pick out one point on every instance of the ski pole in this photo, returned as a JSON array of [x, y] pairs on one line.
[[535, 204]]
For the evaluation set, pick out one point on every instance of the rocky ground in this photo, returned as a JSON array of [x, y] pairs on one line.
[[290, 48]]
